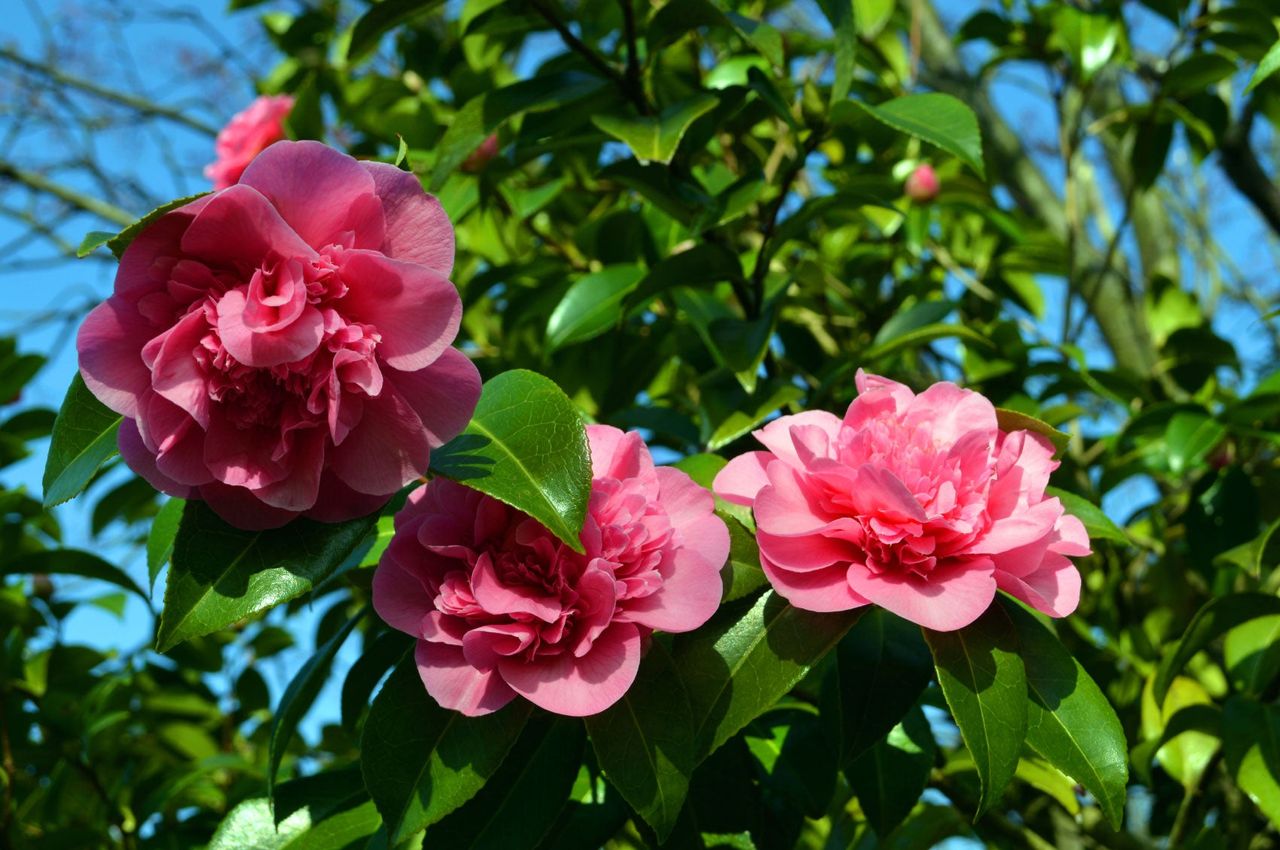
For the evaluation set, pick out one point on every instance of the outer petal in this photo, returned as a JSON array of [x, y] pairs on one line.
[[777, 436], [618, 454], [110, 345], [143, 461], [418, 229], [240, 507], [787, 506], [1054, 589], [239, 227], [819, 590], [743, 477], [1022, 529], [337, 502], [386, 450], [322, 193], [400, 597], [455, 684], [952, 597], [691, 509], [951, 412], [578, 687], [416, 310], [145, 264], [444, 394], [808, 552]]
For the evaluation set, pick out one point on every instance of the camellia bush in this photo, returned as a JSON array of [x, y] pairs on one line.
[[693, 419]]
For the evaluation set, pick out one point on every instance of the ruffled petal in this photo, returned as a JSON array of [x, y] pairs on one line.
[[579, 687], [455, 684], [950, 598], [418, 229], [416, 310]]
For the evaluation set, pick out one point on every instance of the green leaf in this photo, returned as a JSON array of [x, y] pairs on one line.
[[882, 666], [890, 777], [766, 401], [918, 315], [379, 20], [1252, 653], [164, 530], [742, 574], [1189, 438], [527, 446], [220, 575], [1197, 72], [746, 657], [679, 18], [250, 826], [120, 241], [69, 562], [299, 696], [1096, 523], [421, 761], [654, 138], [1268, 66], [925, 335], [1090, 39], [321, 794], [375, 660], [1213, 620], [703, 264], [591, 306], [1069, 721], [343, 831], [938, 119], [1251, 748], [1257, 554], [843, 17], [645, 745], [1014, 420], [873, 15], [486, 112], [985, 684], [93, 240], [519, 804], [84, 437]]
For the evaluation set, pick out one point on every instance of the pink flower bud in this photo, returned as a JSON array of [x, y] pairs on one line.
[[923, 184], [479, 158]]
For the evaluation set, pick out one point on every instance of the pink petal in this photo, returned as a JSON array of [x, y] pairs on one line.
[[485, 646], [326, 196], [176, 440], [809, 552], [787, 505], [244, 457], [336, 502], [444, 394], [819, 590], [174, 373], [1053, 589], [579, 687], [455, 684], [1022, 529], [300, 488], [110, 345], [951, 412], [142, 461], [145, 264], [239, 507], [618, 454], [777, 436], [1071, 537], [743, 477], [238, 227], [266, 348], [416, 310], [498, 598], [418, 229], [951, 597], [388, 449], [686, 503], [878, 492], [691, 585], [400, 597]]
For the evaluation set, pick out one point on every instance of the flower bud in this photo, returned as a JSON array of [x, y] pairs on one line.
[[479, 158], [922, 185]]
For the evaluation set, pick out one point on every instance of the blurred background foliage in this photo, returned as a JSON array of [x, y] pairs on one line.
[[692, 219]]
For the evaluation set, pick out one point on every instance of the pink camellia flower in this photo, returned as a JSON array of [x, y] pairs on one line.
[[922, 184], [501, 607], [917, 503], [282, 347], [247, 134]]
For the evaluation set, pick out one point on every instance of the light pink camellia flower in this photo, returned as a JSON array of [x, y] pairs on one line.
[[282, 347], [917, 503], [501, 607], [247, 134]]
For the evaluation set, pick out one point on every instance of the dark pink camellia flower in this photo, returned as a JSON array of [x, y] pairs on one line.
[[501, 607], [917, 503], [282, 347], [247, 134]]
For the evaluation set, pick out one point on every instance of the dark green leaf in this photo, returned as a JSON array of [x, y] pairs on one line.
[[918, 315], [526, 446], [321, 794], [844, 26], [421, 761], [985, 684], [703, 264], [375, 660], [742, 573], [755, 409], [1189, 438], [1097, 524], [1069, 721], [890, 777], [298, 697], [746, 657], [220, 575], [68, 562], [654, 138], [645, 745], [1251, 748], [938, 119], [591, 306], [925, 335], [164, 530], [882, 666], [1197, 72], [1213, 620], [380, 19], [1013, 420], [84, 437]]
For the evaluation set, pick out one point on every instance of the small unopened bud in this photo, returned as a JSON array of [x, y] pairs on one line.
[[479, 158], [922, 185]]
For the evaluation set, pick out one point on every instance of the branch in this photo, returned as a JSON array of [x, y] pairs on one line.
[[1245, 171], [594, 59], [39, 183]]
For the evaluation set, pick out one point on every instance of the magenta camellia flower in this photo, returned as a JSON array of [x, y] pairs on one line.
[[501, 607], [282, 347], [247, 134], [917, 503]]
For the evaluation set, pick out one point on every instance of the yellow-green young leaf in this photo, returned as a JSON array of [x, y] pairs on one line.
[[654, 138], [526, 445], [755, 409], [985, 684], [220, 575], [938, 119], [1212, 621], [251, 826], [873, 15], [1186, 757], [1089, 39], [1251, 746], [746, 657], [420, 761], [592, 305], [890, 777], [1069, 721], [84, 437], [644, 743], [1268, 66], [1252, 652]]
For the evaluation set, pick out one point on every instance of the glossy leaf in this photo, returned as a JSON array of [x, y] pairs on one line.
[[1013, 420], [70, 562], [84, 437], [1252, 653], [645, 744], [250, 826], [1212, 621], [751, 653], [1251, 747], [527, 446], [654, 138], [1096, 523], [591, 306], [890, 777], [985, 683], [1189, 439], [1070, 723], [220, 575], [164, 530], [938, 119], [421, 761], [1268, 66]]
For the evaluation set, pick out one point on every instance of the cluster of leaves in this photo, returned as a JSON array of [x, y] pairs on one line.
[[694, 222]]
